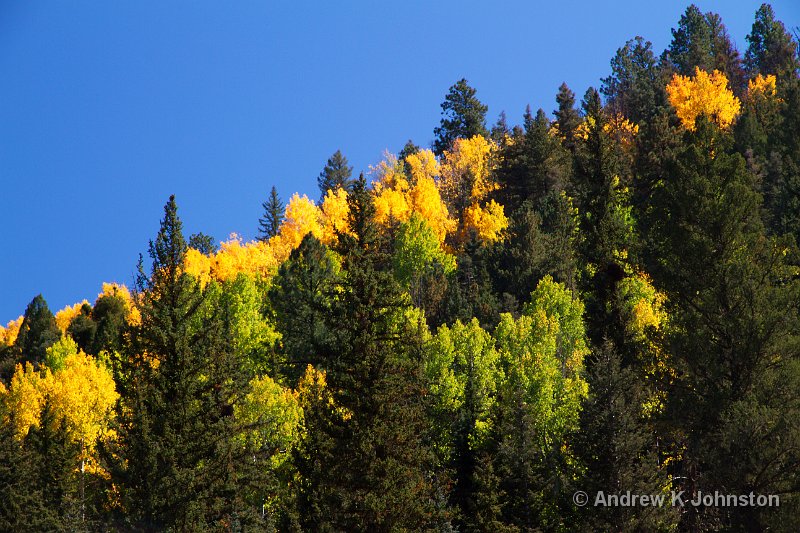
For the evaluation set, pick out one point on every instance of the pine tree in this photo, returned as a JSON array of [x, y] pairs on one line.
[[336, 175], [181, 460], [374, 471], [463, 117], [619, 450], [37, 333], [270, 223], [635, 87], [83, 329], [567, 117], [301, 297], [202, 243], [771, 49], [729, 290], [703, 41]]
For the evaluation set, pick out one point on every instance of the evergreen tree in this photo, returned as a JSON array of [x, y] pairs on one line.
[[202, 243], [109, 314], [771, 49], [463, 117], [56, 460], [729, 292], [181, 460], [301, 297], [703, 41], [567, 117], [635, 87], [270, 223], [336, 175], [619, 450], [374, 473], [37, 333], [21, 500], [83, 329]]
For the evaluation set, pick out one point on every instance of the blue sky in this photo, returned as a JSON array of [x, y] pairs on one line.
[[107, 108]]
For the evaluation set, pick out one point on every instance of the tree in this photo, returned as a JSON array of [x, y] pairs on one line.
[[728, 288], [270, 223], [38, 331], [634, 88], [203, 243], [301, 297], [336, 175], [702, 41], [463, 117], [373, 461], [619, 450], [181, 458], [83, 329], [567, 117], [771, 49], [703, 94]]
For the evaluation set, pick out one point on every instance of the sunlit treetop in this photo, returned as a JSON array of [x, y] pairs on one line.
[[334, 215], [8, 334], [66, 315], [703, 94], [761, 87]]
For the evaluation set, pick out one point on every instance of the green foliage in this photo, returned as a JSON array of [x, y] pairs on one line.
[[336, 175], [37, 333], [417, 249], [463, 117], [635, 88], [302, 296], [771, 49]]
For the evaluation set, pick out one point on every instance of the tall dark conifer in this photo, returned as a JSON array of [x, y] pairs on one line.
[[463, 117], [337, 174], [181, 458], [270, 223]]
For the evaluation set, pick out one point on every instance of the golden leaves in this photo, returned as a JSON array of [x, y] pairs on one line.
[[703, 94]]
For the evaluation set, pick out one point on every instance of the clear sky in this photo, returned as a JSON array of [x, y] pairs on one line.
[[107, 108]]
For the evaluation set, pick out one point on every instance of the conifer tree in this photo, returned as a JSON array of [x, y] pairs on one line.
[[567, 117], [337, 174], [270, 223], [374, 473], [463, 117], [38, 331], [771, 49], [635, 88], [181, 458], [729, 292]]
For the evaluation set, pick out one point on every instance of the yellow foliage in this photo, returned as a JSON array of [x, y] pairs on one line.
[[83, 393], [465, 171], [622, 129], [422, 164], [487, 221], [301, 218], [65, 316], [25, 397], [334, 215], [8, 334], [254, 258], [703, 93], [761, 87], [426, 201]]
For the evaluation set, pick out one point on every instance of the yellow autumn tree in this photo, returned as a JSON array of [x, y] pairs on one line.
[[703, 94], [466, 183], [334, 215], [397, 197], [302, 217], [8, 334], [66, 315]]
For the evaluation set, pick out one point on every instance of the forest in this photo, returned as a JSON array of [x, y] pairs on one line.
[[470, 336]]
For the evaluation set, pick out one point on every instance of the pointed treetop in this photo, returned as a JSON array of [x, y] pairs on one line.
[[463, 117], [270, 223], [336, 174]]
